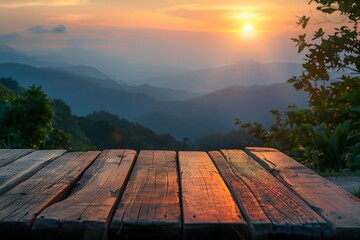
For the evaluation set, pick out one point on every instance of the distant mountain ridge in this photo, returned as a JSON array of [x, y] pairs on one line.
[[245, 74], [8, 49], [83, 94], [217, 111], [193, 118], [11, 55], [111, 66], [83, 70], [70, 57], [217, 96]]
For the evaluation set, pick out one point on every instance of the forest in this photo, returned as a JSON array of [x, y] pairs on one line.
[[30, 119]]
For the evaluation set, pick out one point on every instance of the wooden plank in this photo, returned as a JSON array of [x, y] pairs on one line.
[[11, 155], [20, 205], [20, 170], [209, 210], [150, 205], [271, 208], [86, 211], [338, 207], [4, 151]]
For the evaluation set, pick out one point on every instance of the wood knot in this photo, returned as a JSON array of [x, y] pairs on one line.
[[114, 193]]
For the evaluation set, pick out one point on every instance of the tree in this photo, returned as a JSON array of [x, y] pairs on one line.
[[326, 134], [66, 126], [26, 121]]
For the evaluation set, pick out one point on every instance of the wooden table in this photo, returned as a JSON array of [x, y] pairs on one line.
[[259, 193]]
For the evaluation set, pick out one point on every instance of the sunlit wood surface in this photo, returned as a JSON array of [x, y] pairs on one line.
[[259, 193]]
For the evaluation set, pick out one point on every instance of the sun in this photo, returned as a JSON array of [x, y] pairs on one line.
[[248, 28]]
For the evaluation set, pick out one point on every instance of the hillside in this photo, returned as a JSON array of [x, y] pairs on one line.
[[216, 112], [83, 94], [11, 55], [49, 123], [246, 74], [192, 118]]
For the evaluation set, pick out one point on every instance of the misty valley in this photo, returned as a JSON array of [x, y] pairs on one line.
[[193, 105]]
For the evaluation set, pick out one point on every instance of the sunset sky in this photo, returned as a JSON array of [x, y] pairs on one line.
[[190, 34]]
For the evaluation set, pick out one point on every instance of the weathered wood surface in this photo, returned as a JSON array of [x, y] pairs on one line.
[[338, 207], [9, 155], [88, 208], [209, 211], [20, 205], [150, 205], [272, 209], [23, 168], [84, 195], [4, 151]]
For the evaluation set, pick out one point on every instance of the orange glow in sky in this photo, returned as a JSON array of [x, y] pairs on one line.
[[135, 28]]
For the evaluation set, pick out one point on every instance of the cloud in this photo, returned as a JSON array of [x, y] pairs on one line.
[[39, 29], [59, 29], [27, 3]]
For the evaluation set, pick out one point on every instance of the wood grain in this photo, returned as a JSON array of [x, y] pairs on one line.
[[20, 205], [20, 170], [150, 205], [11, 155], [4, 151], [338, 207], [87, 210], [266, 201], [209, 210]]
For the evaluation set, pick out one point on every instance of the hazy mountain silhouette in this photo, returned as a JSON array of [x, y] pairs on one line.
[[216, 112], [165, 108], [82, 75], [111, 66], [86, 71], [83, 94], [8, 49], [11, 55], [159, 93], [246, 74], [119, 70]]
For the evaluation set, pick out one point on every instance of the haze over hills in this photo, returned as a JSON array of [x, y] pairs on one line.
[[11, 55], [113, 67], [249, 73], [216, 112], [174, 109], [83, 70], [192, 118], [83, 94]]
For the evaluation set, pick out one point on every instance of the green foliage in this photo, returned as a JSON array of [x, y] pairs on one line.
[[67, 127], [11, 84], [106, 130], [26, 120], [5, 94], [334, 146], [29, 119], [231, 140], [326, 134]]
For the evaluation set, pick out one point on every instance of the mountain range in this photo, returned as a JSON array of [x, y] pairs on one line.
[[247, 74], [211, 106]]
